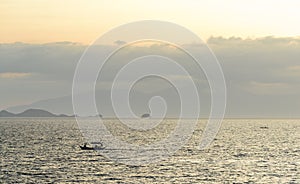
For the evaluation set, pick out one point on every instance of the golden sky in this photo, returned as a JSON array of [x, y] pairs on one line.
[[40, 21]]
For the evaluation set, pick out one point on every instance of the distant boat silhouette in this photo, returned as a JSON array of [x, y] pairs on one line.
[[84, 147], [145, 115]]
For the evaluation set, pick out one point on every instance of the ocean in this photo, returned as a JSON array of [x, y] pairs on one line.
[[46, 150]]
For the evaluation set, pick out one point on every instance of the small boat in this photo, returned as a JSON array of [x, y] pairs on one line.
[[99, 146], [86, 148]]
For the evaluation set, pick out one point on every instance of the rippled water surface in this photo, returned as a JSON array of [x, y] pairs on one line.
[[253, 151]]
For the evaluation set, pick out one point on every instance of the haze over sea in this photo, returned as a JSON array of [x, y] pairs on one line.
[[41, 150]]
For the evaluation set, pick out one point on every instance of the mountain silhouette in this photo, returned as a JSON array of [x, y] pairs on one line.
[[30, 113], [5, 113]]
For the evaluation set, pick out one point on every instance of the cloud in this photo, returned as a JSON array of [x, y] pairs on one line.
[[52, 61], [267, 59], [262, 74], [293, 70], [119, 42], [269, 88], [10, 75]]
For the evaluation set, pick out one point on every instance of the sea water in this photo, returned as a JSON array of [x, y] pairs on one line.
[[41, 150]]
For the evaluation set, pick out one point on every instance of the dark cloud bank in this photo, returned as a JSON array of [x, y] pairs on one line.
[[262, 76]]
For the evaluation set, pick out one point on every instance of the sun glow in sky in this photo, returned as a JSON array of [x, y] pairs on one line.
[[36, 21]]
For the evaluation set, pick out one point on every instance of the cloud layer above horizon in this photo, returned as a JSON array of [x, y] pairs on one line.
[[262, 75]]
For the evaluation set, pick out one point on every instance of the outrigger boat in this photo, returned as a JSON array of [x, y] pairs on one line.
[[84, 147]]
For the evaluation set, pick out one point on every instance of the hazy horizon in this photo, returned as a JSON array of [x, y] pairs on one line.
[[262, 74]]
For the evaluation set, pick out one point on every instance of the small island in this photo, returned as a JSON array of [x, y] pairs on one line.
[[147, 115]]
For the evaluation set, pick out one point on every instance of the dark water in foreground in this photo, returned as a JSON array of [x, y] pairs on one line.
[[46, 150]]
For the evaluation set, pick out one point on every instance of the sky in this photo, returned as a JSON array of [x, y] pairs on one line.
[[42, 21], [256, 42]]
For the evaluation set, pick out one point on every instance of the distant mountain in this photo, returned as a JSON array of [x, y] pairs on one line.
[[30, 113], [139, 104], [5, 113], [36, 113], [57, 106]]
